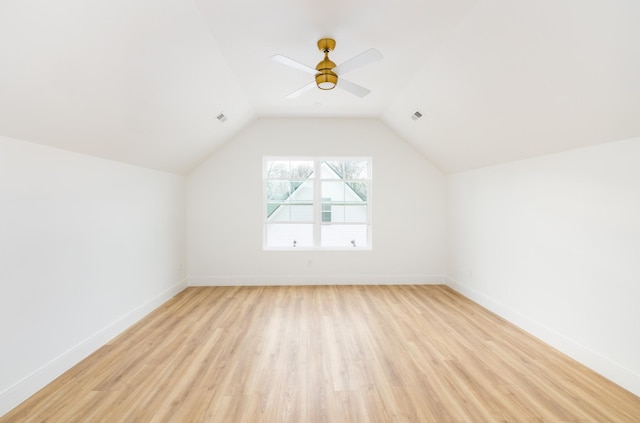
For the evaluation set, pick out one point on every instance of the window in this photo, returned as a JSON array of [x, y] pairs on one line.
[[317, 203]]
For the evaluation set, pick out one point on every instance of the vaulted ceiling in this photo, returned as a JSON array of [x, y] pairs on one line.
[[142, 81]]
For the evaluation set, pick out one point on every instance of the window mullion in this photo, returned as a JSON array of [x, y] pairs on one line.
[[317, 204]]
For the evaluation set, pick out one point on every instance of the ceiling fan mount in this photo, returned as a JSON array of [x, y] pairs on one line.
[[326, 45], [327, 75]]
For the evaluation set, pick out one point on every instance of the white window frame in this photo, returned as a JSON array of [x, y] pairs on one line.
[[317, 204]]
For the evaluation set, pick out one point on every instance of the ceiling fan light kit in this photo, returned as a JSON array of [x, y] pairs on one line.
[[326, 80], [326, 73]]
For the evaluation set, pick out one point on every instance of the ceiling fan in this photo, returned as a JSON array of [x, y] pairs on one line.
[[327, 74]]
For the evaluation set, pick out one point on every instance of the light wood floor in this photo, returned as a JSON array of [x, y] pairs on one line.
[[327, 354]]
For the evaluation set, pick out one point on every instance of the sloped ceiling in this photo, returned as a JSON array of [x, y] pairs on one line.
[[142, 81], [138, 81]]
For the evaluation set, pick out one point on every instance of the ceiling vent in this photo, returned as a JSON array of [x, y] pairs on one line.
[[416, 115], [221, 117]]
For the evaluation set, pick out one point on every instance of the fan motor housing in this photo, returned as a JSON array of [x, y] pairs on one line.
[[325, 64]]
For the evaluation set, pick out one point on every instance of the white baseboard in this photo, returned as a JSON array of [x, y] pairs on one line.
[[16, 394], [271, 280], [592, 359]]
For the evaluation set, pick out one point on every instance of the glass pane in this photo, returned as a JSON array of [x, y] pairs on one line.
[[277, 169], [278, 212], [277, 190], [326, 210], [348, 236], [349, 192], [337, 213], [333, 190], [358, 188], [289, 169], [273, 209], [355, 169], [302, 213], [287, 235], [301, 191], [355, 213], [331, 170], [345, 169], [301, 169]]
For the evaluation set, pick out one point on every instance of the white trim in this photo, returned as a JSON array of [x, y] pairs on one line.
[[592, 359], [19, 392], [272, 280], [317, 206], [319, 249]]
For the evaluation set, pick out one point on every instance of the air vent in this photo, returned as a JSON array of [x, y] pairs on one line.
[[416, 115], [221, 117]]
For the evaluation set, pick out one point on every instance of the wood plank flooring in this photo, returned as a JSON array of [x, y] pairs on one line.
[[326, 354]]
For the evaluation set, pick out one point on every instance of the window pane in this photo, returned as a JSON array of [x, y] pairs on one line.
[[278, 212], [337, 213], [298, 212], [331, 170], [326, 209], [355, 213], [302, 213], [345, 169], [355, 169], [334, 191], [301, 191], [277, 169], [344, 236], [289, 169], [288, 235], [359, 189], [273, 210], [350, 192], [301, 170], [277, 190]]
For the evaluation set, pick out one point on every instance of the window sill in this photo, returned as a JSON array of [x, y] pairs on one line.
[[307, 249]]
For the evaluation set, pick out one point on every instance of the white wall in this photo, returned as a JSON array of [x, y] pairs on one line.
[[553, 244], [225, 210], [87, 247]]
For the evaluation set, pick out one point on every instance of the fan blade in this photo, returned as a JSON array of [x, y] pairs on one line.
[[354, 89], [293, 63], [364, 58], [297, 93]]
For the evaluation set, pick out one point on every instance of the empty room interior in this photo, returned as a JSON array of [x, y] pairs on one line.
[[296, 211]]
